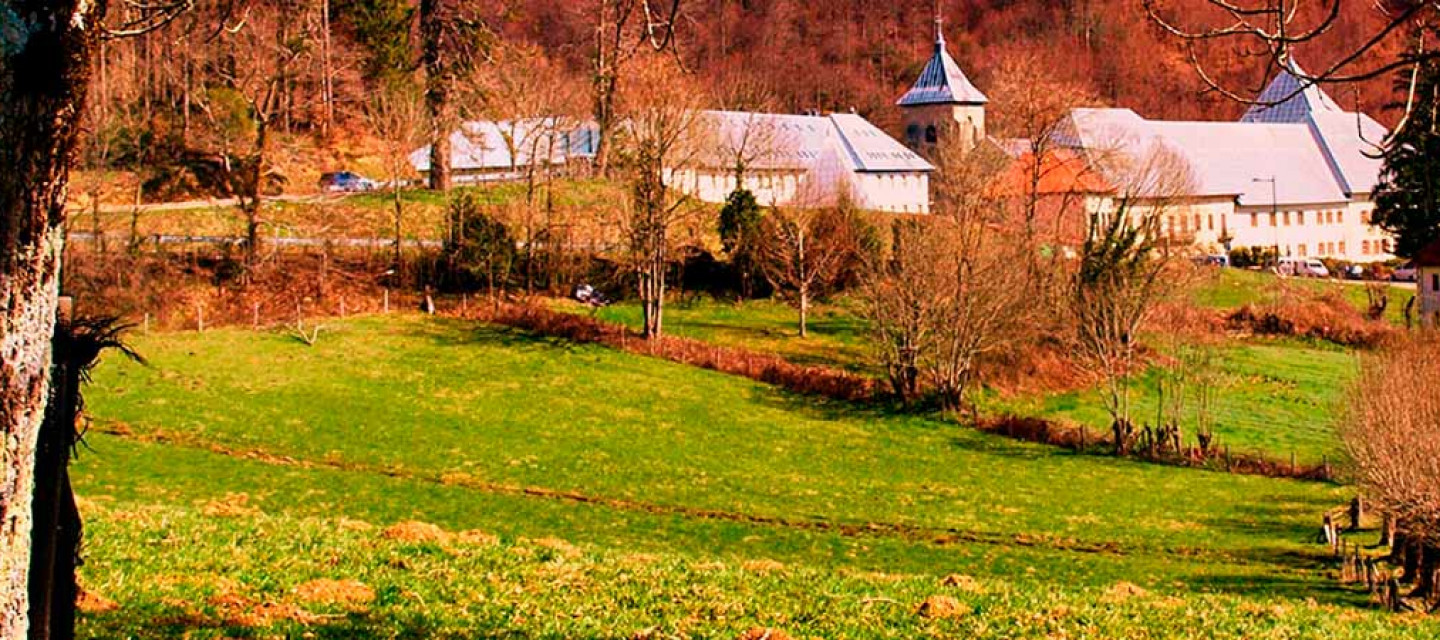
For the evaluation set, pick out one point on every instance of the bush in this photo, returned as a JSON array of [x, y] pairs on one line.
[[1247, 257], [1328, 317], [478, 248]]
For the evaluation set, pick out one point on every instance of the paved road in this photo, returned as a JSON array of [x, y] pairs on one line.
[[212, 202]]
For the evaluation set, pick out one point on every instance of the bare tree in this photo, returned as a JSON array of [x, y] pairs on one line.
[[665, 135], [623, 30], [982, 293], [899, 307], [397, 117], [806, 251], [1276, 29], [1391, 430], [1119, 279]]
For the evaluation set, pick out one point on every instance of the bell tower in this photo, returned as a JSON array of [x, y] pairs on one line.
[[942, 102]]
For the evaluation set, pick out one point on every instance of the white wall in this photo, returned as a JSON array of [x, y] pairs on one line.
[[892, 192]]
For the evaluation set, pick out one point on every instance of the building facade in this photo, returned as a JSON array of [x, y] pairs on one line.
[[1295, 176]]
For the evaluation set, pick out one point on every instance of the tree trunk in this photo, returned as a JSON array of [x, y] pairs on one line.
[[399, 217], [437, 91], [43, 80], [804, 311]]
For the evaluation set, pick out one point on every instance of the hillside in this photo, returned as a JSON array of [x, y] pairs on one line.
[[862, 54]]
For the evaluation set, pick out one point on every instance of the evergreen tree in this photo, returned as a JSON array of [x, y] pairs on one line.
[[738, 220], [1407, 200]]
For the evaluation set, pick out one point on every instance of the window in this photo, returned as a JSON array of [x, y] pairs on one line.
[[1272, 219], [1300, 218], [1197, 222], [1287, 218], [1341, 250], [1210, 223], [912, 134], [1254, 219], [1340, 217], [1385, 245], [1329, 217], [930, 136], [1434, 282], [1364, 247], [1303, 250]]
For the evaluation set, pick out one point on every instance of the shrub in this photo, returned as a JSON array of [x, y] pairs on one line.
[[1328, 317]]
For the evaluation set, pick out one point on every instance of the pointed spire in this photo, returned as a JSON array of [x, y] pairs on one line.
[[942, 81], [1290, 97]]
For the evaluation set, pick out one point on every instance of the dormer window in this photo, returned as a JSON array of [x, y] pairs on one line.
[[931, 136]]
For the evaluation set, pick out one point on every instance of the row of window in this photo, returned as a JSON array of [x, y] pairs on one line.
[[1367, 247], [1320, 217], [1182, 223]]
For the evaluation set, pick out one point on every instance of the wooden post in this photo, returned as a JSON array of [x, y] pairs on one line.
[[145, 326], [387, 301], [1357, 513], [255, 319], [199, 317]]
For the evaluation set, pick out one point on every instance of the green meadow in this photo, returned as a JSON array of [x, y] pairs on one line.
[[621, 496]]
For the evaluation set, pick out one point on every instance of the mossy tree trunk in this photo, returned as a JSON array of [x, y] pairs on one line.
[[46, 53]]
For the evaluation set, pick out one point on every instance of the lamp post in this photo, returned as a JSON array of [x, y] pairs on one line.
[[1274, 214]]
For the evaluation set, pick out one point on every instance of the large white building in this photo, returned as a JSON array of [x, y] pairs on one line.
[[807, 160], [1296, 176]]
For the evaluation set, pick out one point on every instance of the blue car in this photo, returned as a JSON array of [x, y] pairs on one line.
[[345, 182]]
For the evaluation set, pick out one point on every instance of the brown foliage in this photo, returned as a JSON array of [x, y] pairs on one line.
[[1392, 432], [766, 368], [1328, 317]]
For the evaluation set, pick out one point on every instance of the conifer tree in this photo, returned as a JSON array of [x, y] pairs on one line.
[[1407, 200]]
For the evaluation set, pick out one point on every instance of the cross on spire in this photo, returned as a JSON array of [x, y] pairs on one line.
[[939, 24]]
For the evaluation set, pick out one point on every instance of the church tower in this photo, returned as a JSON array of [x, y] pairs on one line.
[[942, 102]]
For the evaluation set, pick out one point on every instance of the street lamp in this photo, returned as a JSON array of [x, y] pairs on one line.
[[1274, 213]]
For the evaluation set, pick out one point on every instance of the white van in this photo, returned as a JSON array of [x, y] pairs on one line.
[[1303, 267]]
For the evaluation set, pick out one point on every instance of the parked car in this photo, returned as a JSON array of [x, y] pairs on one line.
[[1406, 273], [1302, 267], [1214, 260], [345, 182], [1355, 272]]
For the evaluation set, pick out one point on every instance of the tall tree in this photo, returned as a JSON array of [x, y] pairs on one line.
[[1407, 200], [452, 45], [46, 53], [624, 28]]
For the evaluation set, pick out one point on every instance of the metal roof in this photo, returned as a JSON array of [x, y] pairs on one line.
[[806, 143], [481, 144], [941, 82], [1227, 159], [1289, 98]]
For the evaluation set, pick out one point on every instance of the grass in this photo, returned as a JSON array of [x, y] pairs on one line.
[[1228, 289], [366, 215], [836, 334], [1275, 397], [471, 427]]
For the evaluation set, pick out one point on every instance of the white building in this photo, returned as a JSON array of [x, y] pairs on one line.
[[1296, 176], [485, 150], [808, 160]]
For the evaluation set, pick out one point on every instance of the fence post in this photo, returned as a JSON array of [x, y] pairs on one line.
[[199, 317], [145, 324], [387, 301]]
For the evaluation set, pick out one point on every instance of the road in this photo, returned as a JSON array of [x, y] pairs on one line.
[[213, 202]]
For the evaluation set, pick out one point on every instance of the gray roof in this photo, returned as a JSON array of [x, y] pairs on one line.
[[1316, 151], [1225, 158], [481, 144], [841, 141], [1290, 98], [942, 82]]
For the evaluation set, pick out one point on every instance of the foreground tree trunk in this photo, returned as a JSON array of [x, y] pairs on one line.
[[439, 78], [45, 63]]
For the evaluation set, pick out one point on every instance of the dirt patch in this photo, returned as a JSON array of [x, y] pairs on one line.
[[941, 608], [478, 538], [762, 566], [759, 633], [1122, 591], [233, 505], [963, 583], [555, 544], [91, 602], [237, 610], [328, 591], [415, 532]]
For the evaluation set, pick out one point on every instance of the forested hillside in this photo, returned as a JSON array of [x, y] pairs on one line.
[[833, 55]]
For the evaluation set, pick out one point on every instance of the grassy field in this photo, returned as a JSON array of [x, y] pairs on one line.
[[628, 494], [366, 215]]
